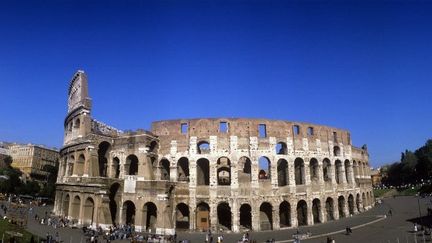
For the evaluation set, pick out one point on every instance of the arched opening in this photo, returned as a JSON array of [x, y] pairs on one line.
[[264, 168], [281, 148], [338, 172], [341, 207], [316, 211], [165, 169], [77, 123], [348, 171], [246, 216], [129, 212], [302, 213], [80, 165], [203, 216], [336, 151], [116, 167], [70, 166], [203, 147], [358, 202], [224, 216], [131, 166], [224, 171], [266, 217], [152, 147], [355, 169], [330, 209], [326, 170], [75, 210], [244, 173], [88, 212], [113, 199], [351, 204], [203, 172], [150, 216], [282, 171], [285, 214], [66, 202], [183, 169], [299, 171], [313, 168], [103, 158], [182, 216]]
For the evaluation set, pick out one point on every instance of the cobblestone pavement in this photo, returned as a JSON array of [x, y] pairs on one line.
[[395, 228]]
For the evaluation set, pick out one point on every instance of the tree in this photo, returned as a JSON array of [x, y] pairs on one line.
[[424, 164]]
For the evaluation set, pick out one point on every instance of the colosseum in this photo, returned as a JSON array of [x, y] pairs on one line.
[[231, 174]]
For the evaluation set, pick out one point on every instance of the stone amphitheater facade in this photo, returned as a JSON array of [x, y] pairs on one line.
[[198, 174]]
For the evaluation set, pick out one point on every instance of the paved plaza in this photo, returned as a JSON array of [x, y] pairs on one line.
[[370, 226]]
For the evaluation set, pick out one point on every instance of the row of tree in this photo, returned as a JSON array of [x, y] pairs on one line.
[[413, 168], [11, 181]]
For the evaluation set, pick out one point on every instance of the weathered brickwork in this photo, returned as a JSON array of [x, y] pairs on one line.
[[195, 174]]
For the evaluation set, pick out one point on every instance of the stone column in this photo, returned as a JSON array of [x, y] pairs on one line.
[[212, 174], [213, 217], [192, 173], [335, 209], [173, 173], [343, 180], [255, 216], [70, 208], [291, 173], [320, 173], [122, 161], [254, 171], [307, 171], [82, 209], [95, 219], [235, 216], [310, 220], [322, 214], [192, 218], [276, 218], [293, 214]]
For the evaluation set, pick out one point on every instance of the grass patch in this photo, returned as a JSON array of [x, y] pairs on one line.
[[380, 192], [6, 226], [409, 191]]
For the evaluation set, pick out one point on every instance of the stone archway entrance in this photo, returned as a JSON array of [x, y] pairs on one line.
[[302, 213], [182, 216], [150, 216], [246, 216], [203, 216], [224, 215], [129, 212]]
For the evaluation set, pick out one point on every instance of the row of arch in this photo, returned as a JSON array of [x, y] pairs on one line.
[[302, 213]]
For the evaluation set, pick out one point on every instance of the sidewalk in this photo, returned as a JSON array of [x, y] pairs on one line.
[[402, 210]]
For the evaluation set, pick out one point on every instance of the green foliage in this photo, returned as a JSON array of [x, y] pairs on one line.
[[381, 192], [6, 226], [8, 161], [13, 182], [414, 167]]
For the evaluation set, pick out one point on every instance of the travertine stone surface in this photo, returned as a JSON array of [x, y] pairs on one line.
[[209, 173]]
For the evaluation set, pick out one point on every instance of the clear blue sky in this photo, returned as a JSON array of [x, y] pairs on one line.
[[362, 66]]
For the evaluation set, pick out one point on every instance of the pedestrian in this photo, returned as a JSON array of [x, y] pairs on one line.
[[390, 212]]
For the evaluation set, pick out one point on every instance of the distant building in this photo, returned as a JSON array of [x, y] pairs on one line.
[[31, 159], [376, 177], [4, 152]]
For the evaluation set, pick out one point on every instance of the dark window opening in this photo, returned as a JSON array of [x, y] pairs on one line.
[[310, 131], [184, 128], [262, 130], [223, 127], [296, 129]]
